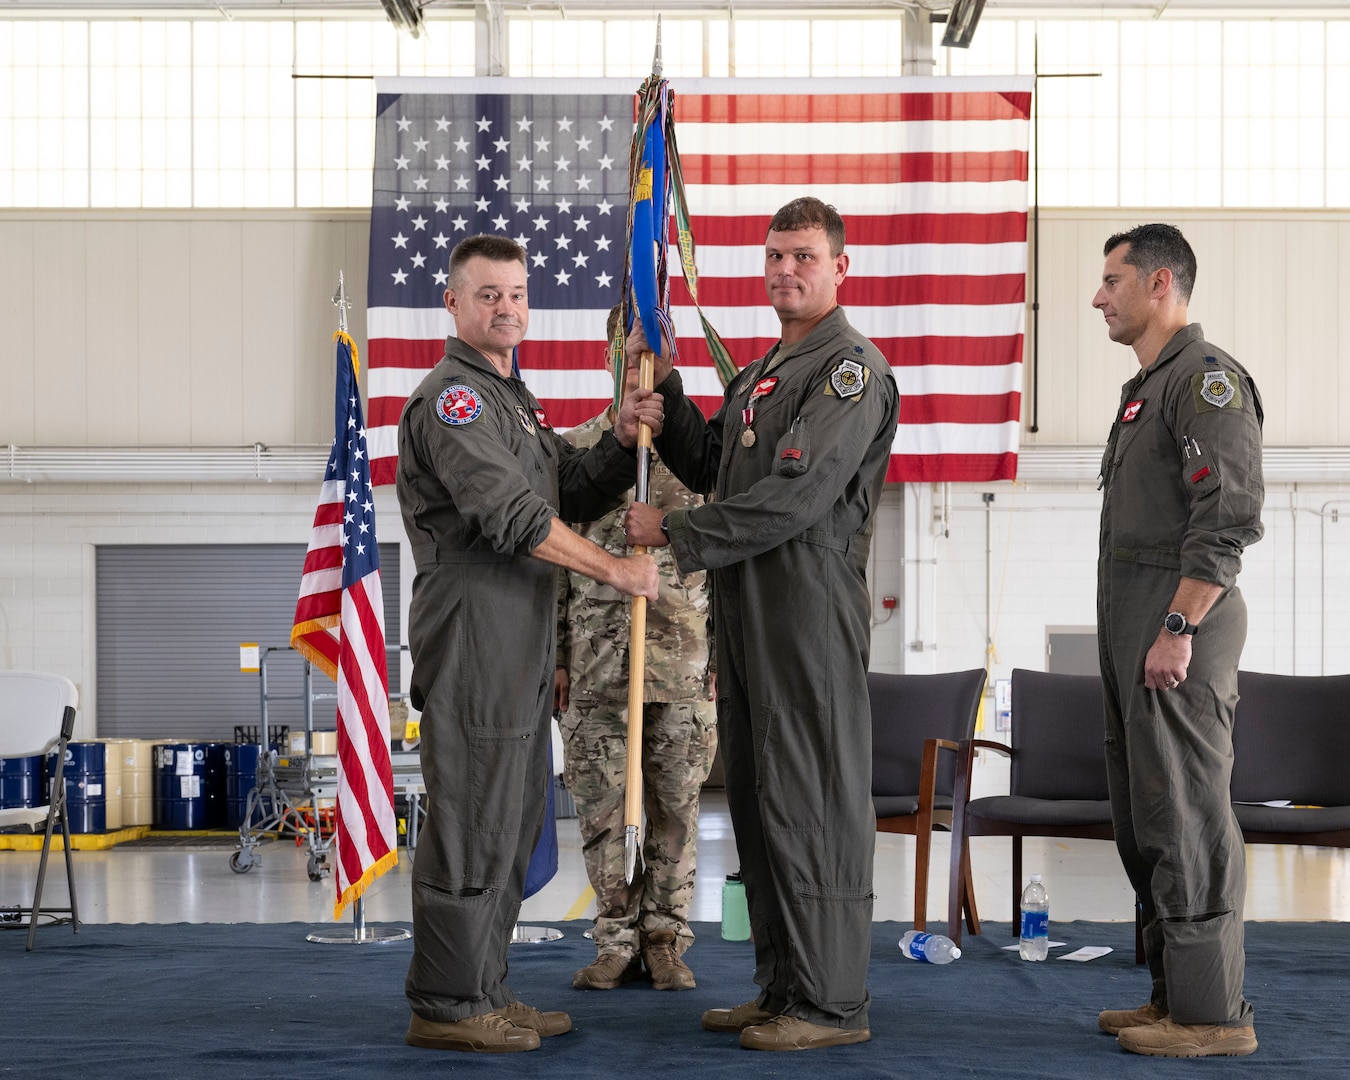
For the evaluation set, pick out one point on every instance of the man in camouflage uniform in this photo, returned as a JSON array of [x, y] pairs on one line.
[[649, 917]]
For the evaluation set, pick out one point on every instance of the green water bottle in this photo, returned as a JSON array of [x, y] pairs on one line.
[[735, 910]]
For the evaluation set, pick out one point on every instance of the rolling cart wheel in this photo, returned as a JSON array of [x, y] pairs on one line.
[[241, 862], [316, 868]]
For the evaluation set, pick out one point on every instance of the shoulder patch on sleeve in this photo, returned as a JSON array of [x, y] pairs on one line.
[[847, 380], [1214, 389], [458, 405]]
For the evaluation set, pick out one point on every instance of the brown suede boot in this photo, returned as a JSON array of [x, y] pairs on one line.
[[1169, 1039], [668, 970], [487, 1033], [543, 1024], [793, 1033], [1114, 1021], [737, 1019], [608, 970]]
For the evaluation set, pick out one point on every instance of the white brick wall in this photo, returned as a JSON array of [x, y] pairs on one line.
[[1041, 571]]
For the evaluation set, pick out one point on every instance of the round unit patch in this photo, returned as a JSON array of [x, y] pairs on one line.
[[458, 405]]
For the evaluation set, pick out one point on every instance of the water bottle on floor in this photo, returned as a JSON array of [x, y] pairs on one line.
[[735, 909], [1035, 939], [932, 948]]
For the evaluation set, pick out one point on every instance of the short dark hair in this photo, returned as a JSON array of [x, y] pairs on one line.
[[1155, 246], [487, 246], [612, 323], [811, 213]]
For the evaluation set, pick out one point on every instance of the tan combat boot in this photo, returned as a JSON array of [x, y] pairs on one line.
[[668, 970]]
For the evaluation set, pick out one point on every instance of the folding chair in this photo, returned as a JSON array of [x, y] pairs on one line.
[[37, 715]]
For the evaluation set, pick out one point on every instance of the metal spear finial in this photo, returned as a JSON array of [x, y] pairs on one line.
[[656, 59], [341, 302]]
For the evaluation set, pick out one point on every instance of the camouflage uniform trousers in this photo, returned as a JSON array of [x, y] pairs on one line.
[[678, 744]]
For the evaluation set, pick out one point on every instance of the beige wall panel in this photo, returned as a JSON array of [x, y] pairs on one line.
[[1103, 365], [1341, 359], [356, 247], [1081, 368], [1058, 373], [57, 267], [111, 392], [1308, 382], [269, 354], [1261, 318], [216, 332], [223, 324], [1269, 291], [164, 276], [16, 316], [356, 241], [320, 254]]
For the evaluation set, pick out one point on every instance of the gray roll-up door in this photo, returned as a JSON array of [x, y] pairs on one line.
[[170, 619]]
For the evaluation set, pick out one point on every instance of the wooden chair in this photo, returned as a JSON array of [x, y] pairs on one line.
[[37, 715], [914, 719]]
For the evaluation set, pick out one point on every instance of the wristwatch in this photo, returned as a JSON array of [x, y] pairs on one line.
[[665, 529], [1175, 623]]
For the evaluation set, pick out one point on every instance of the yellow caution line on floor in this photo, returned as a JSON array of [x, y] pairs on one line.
[[583, 902], [78, 841]]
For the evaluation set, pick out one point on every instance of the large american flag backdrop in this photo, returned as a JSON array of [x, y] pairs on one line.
[[930, 175]]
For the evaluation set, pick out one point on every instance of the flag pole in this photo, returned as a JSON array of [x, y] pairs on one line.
[[361, 934], [637, 637]]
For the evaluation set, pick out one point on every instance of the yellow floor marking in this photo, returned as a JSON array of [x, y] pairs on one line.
[[583, 902]]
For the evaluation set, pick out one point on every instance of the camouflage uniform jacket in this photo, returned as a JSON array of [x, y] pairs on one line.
[[593, 619]]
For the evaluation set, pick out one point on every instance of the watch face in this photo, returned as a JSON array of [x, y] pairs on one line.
[[1174, 623]]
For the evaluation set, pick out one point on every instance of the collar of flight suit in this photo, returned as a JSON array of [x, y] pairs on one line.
[[1175, 344], [460, 350], [821, 334]]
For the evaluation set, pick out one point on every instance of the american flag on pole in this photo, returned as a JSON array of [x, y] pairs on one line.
[[930, 175], [339, 627]]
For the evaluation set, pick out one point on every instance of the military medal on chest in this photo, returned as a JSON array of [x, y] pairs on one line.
[[761, 389]]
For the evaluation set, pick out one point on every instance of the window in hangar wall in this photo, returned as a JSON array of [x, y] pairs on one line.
[[264, 111], [169, 622]]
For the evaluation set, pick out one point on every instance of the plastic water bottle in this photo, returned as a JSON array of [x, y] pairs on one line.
[[932, 948], [1035, 939], [735, 910]]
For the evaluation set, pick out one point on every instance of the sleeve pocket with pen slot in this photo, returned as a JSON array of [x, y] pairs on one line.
[[791, 456]]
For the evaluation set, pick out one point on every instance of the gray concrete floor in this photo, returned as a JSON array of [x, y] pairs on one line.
[[1084, 878]]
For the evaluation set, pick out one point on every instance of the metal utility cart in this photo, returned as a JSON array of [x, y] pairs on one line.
[[289, 788], [288, 784]]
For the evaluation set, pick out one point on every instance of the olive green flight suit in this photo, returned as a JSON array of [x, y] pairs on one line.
[[1182, 498], [480, 478], [787, 540]]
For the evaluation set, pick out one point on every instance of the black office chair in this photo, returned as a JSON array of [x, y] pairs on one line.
[[1291, 741], [1057, 786], [914, 719]]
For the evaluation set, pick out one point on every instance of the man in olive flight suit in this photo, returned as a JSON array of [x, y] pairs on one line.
[[798, 452], [1182, 493], [482, 480]]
